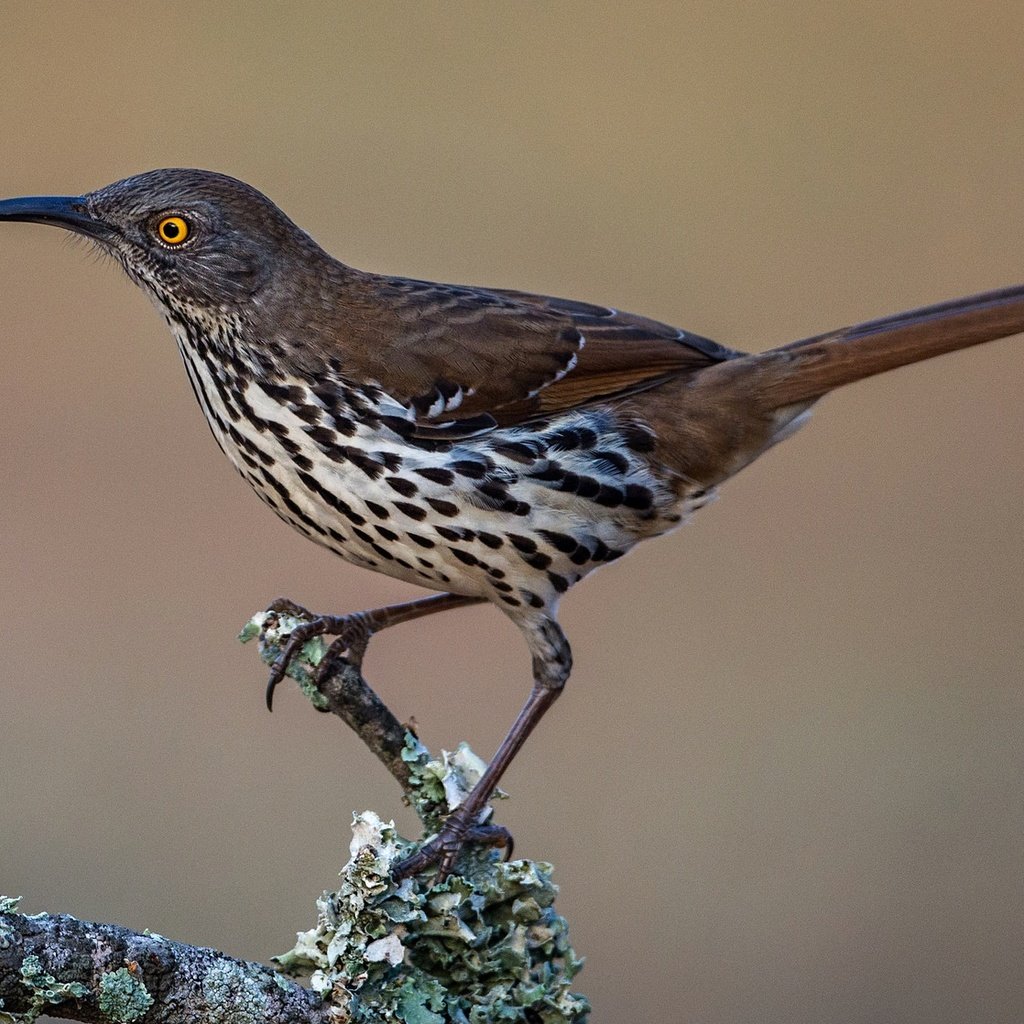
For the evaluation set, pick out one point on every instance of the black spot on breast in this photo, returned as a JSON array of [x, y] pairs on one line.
[[280, 431], [424, 542], [638, 497], [378, 510], [359, 459], [502, 586], [386, 533], [470, 469], [538, 561], [384, 553], [490, 540], [494, 489], [308, 413], [508, 600], [579, 556], [517, 451], [610, 497], [284, 393], [443, 508], [521, 543], [363, 536], [331, 498], [401, 426], [343, 425], [560, 583], [565, 440], [588, 487], [448, 533], [464, 556], [611, 461], [322, 436], [412, 511], [290, 505], [551, 472], [532, 599], [445, 477], [559, 541]]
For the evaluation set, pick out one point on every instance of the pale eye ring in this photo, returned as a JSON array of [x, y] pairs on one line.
[[173, 230]]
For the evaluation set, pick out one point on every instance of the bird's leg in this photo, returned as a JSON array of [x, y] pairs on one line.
[[352, 632], [552, 662]]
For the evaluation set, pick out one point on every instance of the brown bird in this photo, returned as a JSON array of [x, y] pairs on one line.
[[493, 445]]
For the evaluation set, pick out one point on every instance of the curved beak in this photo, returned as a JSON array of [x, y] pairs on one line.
[[64, 211]]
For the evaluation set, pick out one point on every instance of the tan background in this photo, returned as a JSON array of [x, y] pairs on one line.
[[785, 782]]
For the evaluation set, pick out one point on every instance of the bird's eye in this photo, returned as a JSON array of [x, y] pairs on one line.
[[173, 230]]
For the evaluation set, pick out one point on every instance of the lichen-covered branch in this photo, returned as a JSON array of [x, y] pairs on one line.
[[342, 691], [483, 945], [63, 967]]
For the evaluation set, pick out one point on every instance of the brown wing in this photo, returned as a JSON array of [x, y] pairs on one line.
[[466, 356]]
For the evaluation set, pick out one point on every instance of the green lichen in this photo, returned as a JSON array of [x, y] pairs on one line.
[[123, 996], [272, 639], [8, 935], [231, 1000], [45, 989], [484, 946]]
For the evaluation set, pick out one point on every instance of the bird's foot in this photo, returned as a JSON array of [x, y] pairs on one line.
[[443, 850], [351, 636]]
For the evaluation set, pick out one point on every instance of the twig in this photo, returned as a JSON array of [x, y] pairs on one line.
[[342, 691]]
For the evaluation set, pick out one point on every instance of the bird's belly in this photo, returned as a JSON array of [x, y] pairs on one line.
[[470, 521], [516, 516]]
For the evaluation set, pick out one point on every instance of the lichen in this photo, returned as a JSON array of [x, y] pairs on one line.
[[230, 1000], [486, 945], [45, 989], [123, 996], [8, 905], [272, 639]]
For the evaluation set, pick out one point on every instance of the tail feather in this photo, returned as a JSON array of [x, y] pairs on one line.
[[805, 370]]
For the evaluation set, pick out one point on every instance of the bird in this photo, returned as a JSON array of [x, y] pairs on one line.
[[488, 444]]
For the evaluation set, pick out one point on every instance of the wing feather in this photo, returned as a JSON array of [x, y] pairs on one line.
[[462, 358]]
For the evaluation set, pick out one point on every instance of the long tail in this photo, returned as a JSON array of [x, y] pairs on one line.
[[805, 370]]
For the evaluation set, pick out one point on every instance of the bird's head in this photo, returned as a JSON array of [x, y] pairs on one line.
[[191, 238]]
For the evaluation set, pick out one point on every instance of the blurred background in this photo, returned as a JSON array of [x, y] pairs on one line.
[[784, 783]]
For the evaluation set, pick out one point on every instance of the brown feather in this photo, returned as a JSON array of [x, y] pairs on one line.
[[512, 356]]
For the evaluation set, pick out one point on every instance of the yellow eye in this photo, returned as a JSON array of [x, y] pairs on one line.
[[173, 230]]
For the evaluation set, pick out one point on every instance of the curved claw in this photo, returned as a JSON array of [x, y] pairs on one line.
[[295, 641], [352, 633]]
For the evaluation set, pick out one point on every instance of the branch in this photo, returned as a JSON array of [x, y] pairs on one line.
[[58, 965], [486, 944], [342, 691]]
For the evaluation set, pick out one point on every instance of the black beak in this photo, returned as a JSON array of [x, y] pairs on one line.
[[64, 211]]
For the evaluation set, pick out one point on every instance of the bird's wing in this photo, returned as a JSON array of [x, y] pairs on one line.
[[466, 358]]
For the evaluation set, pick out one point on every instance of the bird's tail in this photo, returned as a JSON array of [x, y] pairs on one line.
[[800, 373]]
